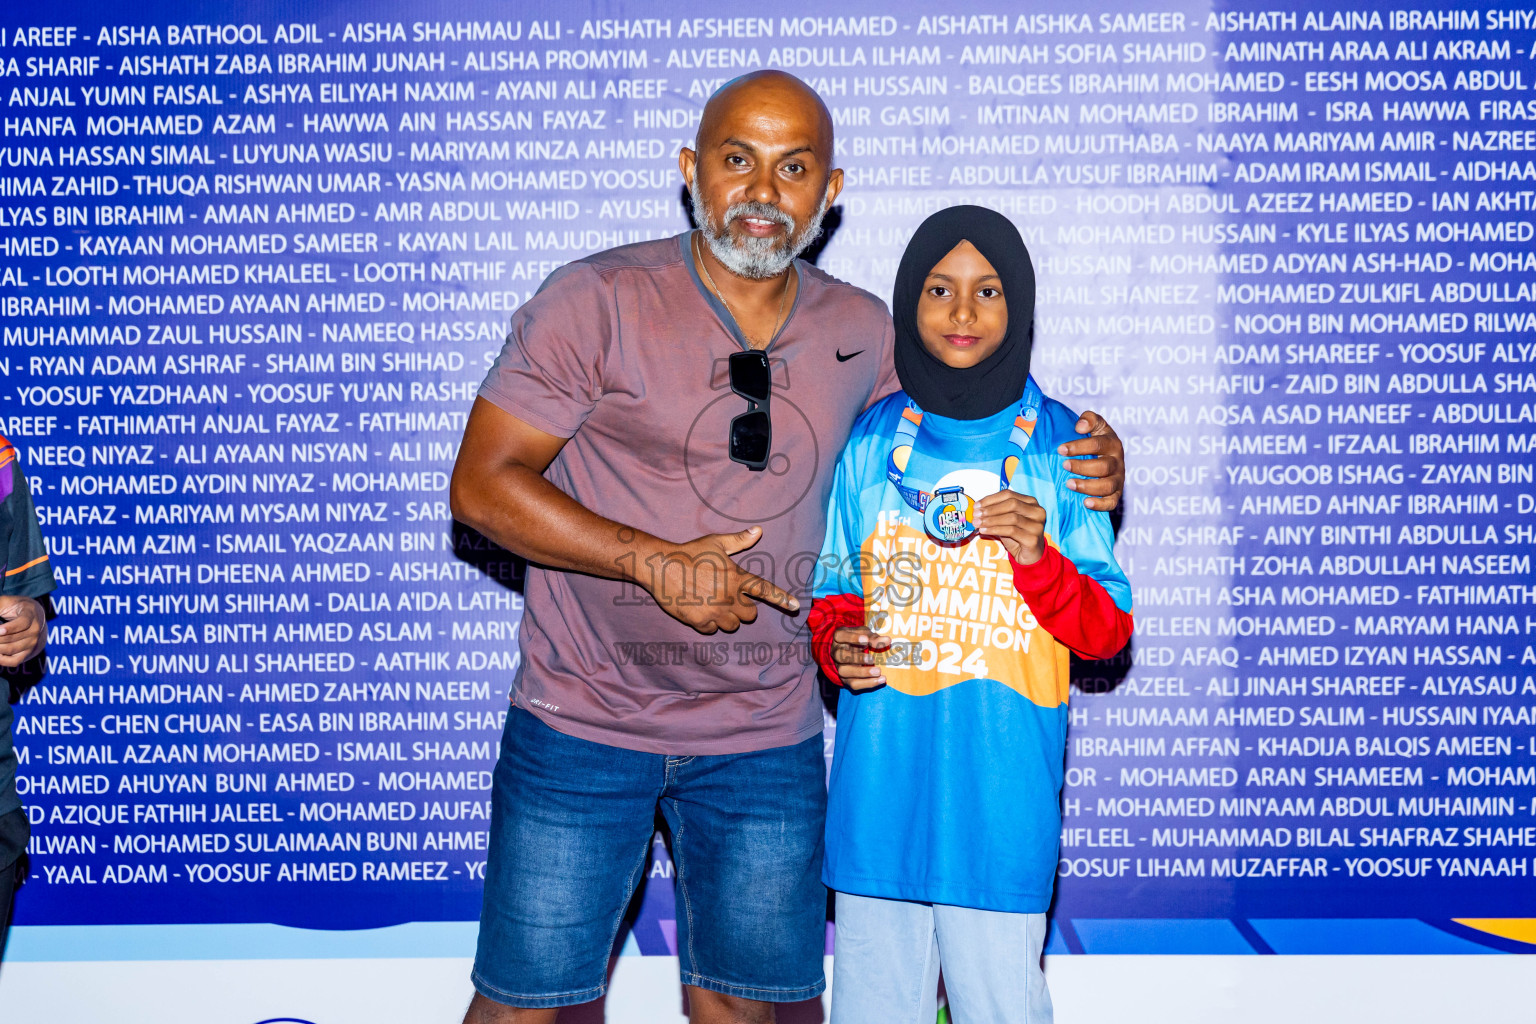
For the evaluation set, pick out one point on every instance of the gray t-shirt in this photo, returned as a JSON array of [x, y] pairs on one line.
[[625, 353]]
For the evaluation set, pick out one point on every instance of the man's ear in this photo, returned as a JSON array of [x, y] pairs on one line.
[[834, 186], [688, 161]]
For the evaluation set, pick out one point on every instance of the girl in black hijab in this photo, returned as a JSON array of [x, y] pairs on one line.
[[982, 387], [963, 570]]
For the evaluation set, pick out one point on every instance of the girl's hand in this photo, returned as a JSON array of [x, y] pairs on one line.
[[1015, 519], [853, 650]]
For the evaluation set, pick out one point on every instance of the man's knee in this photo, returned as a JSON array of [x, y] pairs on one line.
[[706, 1007], [488, 1011]]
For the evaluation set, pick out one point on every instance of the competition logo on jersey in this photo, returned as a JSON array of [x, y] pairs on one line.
[[953, 614]]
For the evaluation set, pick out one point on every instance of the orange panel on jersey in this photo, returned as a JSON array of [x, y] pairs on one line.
[[955, 609]]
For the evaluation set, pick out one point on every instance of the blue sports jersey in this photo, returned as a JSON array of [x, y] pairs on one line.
[[945, 782]]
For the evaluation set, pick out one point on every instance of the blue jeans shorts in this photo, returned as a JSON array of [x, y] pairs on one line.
[[571, 829]]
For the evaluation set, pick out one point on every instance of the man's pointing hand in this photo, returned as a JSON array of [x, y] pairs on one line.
[[700, 584]]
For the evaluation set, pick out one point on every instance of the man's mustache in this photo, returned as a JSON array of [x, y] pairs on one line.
[[762, 211]]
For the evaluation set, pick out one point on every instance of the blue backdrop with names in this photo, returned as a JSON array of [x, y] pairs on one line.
[[256, 258]]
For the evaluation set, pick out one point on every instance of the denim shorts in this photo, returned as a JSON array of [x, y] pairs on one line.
[[571, 829]]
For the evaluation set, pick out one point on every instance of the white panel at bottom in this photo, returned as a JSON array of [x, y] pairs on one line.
[[1087, 990], [1287, 989]]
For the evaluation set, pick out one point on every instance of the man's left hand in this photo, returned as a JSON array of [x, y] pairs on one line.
[[24, 631], [1099, 455]]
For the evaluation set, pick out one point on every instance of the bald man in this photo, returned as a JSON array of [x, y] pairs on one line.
[[657, 438]]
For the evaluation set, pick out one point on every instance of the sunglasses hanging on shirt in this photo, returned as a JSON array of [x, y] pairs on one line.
[[751, 435]]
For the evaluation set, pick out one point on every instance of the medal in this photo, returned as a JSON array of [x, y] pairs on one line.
[[949, 516]]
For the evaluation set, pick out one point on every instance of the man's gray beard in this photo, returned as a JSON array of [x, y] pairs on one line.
[[755, 258]]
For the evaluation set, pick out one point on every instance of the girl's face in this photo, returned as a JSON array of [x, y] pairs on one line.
[[962, 314]]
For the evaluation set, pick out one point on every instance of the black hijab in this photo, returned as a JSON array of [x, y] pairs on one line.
[[997, 381]]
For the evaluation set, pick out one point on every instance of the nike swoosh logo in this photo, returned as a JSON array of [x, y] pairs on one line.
[[844, 358]]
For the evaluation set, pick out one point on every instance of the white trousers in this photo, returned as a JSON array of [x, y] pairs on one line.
[[889, 954]]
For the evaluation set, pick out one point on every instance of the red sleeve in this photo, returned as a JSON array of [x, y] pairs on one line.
[[1072, 607], [827, 616]]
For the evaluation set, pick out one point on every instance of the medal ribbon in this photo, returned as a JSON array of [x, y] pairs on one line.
[[906, 440]]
